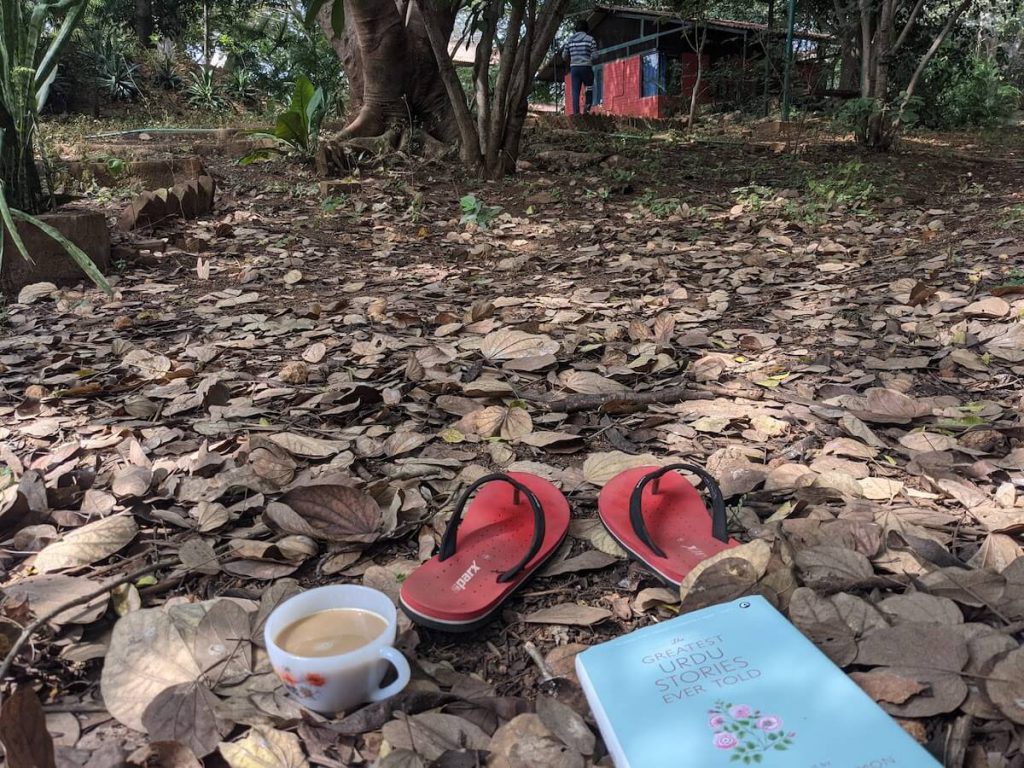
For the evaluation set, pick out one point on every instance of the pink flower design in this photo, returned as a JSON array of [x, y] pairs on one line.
[[740, 711], [716, 721], [769, 723], [725, 740]]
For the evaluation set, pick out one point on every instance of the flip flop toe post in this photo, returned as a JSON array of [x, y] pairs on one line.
[[660, 519], [514, 523]]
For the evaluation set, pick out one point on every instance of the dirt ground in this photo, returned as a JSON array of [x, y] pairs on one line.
[[847, 328]]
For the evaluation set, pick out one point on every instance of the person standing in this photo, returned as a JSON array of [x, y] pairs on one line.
[[580, 50]]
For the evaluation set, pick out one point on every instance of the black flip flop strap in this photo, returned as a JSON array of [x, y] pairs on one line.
[[717, 512], [448, 539]]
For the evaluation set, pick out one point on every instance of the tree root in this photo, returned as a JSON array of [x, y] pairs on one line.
[[346, 153]]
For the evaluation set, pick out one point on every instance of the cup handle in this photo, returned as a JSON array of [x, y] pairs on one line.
[[401, 666]]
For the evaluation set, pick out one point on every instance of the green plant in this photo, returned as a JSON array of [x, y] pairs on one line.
[[474, 211], [334, 202], [27, 68], [964, 94], [202, 91], [165, 66], [241, 85], [659, 207], [297, 129], [845, 186], [1012, 217], [113, 72]]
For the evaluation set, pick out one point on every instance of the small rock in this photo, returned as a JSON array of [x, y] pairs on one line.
[[294, 373], [35, 392]]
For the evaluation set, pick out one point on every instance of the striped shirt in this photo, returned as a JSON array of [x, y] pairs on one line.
[[580, 50]]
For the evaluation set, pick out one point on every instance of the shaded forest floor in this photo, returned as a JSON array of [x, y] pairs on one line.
[[848, 327]]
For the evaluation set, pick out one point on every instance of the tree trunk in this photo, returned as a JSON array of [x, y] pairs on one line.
[[697, 84], [848, 64], [392, 73], [144, 21], [22, 185]]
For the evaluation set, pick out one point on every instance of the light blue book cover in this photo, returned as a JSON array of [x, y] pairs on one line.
[[731, 685]]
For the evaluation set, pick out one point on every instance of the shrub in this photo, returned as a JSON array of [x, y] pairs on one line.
[[202, 91], [297, 129], [975, 95], [108, 56]]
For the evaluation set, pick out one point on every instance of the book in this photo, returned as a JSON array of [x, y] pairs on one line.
[[731, 685]]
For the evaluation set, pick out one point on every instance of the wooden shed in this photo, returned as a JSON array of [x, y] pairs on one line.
[[647, 60]]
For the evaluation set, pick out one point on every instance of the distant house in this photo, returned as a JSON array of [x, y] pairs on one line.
[[647, 61]]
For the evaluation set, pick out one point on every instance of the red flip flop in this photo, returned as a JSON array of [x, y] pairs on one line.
[[515, 523], [658, 517]]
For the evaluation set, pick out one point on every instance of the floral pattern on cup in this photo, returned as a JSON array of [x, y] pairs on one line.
[[748, 733], [299, 686]]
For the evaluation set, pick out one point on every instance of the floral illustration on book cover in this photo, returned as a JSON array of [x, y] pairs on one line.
[[749, 734]]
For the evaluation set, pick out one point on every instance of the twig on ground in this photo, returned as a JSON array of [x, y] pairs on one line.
[[30, 629], [533, 653], [619, 401]]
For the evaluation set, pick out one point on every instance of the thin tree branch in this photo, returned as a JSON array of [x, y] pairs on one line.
[[31, 628], [908, 26]]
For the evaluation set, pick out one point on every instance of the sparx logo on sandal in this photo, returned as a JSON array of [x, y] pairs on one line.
[[466, 577]]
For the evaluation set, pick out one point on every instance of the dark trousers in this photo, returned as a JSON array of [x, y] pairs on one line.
[[582, 76]]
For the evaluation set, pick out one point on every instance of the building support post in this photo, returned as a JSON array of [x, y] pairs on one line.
[[767, 45]]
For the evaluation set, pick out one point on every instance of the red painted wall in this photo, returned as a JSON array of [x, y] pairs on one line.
[[621, 92], [689, 78]]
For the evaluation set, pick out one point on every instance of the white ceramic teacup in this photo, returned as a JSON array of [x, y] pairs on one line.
[[335, 683]]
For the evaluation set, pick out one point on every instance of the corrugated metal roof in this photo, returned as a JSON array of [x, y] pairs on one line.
[[747, 26]]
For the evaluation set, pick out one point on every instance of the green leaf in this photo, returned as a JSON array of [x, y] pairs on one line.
[[338, 18], [337, 15], [8, 221], [314, 107], [291, 127], [259, 155], [302, 95]]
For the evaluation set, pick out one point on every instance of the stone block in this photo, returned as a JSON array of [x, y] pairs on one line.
[[86, 229]]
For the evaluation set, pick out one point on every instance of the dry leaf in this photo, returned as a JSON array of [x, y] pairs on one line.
[[594, 531], [433, 733], [833, 568], [44, 593], [27, 743], [589, 383], [147, 655], [186, 713], [264, 747], [1004, 685], [915, 645], [87, 545], [527, 741], [599, 468], [508, 344], [884, 686], [335, 513], [307, 447], [570, 614], [734, 577]]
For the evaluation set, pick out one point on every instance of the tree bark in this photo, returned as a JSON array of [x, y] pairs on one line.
[[144, 21], [392, 74]]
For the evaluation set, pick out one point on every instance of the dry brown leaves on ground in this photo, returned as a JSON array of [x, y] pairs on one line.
[[303, 409]]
